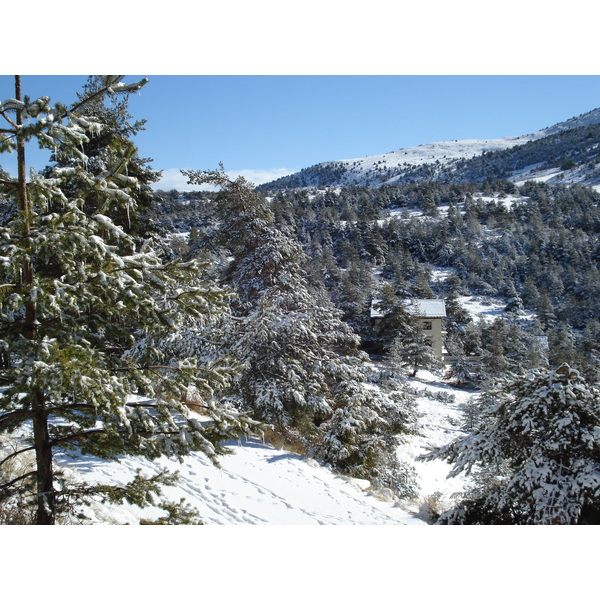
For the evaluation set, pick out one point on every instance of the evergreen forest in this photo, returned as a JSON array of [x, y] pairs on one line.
[[535, 248], [156, 323]]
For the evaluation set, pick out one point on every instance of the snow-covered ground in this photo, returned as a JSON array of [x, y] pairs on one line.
[[256, 485], [439, 425], [261, 485], [484, 308]]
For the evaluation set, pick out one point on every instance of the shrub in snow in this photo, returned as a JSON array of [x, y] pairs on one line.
[[360, 438], [534, 453]]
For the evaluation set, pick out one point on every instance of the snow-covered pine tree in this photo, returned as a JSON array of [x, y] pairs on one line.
[[534, 453], [110, 148], [462, 371], [303, 374], [361, 436], [412, 349], [291, 340], [79, 302], [396, 319]]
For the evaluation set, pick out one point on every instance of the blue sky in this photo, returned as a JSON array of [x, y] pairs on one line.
[[268, 88], [265, 126]]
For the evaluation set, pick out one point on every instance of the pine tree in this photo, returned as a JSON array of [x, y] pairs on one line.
[[109, 149], [81, 302], [462, 371], [561, 345], [535, 453], [401, 336], [412, 349], [353, 295], [290, 338], [304, 374], [396, 320], [494, 349]]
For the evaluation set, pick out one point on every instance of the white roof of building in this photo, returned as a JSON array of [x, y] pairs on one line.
[[376, 312], [429, 309]]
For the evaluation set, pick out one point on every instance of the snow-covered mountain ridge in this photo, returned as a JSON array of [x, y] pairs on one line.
[[426, 161]]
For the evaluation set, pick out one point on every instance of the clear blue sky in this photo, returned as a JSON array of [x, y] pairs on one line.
[[266, 126]]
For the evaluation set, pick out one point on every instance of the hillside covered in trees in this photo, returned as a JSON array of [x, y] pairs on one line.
[[564, 153], [535, 247]]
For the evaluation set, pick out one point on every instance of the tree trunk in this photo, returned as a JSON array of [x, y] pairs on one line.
[[41, 435], [43, 455]]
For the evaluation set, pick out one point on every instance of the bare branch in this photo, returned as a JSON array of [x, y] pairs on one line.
[[12, 123], [16, 453], [5, 485], [15, 414]]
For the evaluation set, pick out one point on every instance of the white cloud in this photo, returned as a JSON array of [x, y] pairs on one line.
[[172, 179]]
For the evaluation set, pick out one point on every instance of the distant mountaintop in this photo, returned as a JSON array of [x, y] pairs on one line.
[[567, 152]]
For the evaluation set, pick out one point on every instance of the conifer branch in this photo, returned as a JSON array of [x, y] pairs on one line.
[[9, 483], [149, 368], [15, 414], [75, 436], [154, 405], [64, 408], [106, 90], [16, 453]]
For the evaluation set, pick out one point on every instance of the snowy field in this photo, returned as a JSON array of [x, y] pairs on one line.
[[439, 425], [256, 485], [261, 485]]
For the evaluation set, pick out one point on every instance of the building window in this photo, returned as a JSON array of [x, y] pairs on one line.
[[427, 325]]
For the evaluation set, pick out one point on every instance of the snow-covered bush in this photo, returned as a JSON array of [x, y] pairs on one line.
[[534, 453], [360, 439]]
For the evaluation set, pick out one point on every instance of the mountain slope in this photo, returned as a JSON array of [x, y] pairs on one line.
[[450, 161]]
